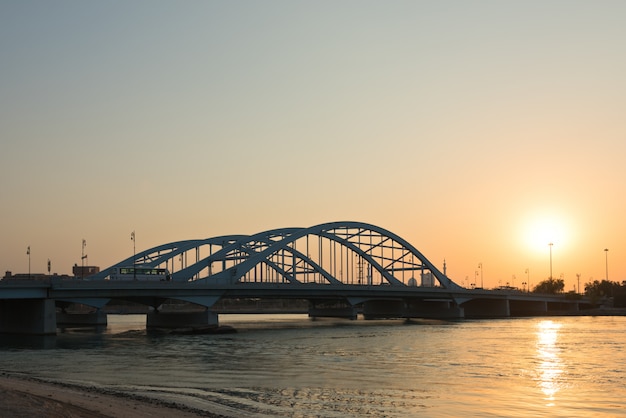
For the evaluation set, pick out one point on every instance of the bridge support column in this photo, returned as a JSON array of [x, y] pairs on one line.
[[97, 318], [28, 316], [171, 320]]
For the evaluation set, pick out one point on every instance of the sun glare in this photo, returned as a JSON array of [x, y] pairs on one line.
[[542, 230]]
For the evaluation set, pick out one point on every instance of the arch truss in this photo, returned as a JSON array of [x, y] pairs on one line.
[[337, 253]]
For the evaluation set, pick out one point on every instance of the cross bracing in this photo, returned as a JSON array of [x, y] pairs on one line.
[[335, 253]]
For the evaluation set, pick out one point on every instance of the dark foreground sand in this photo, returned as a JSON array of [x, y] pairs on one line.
[[24, 397]]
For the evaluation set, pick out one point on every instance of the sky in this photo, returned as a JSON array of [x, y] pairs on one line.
[[479, 131]]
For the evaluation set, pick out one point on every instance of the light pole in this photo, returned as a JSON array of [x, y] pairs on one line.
[[132, 238], [578, 277], [551, 244], [480, 266], [82, 260], [528, 278], [606, 260], [28, 254]]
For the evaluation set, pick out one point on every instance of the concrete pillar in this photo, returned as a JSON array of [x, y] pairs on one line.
[[172, 320], [28, 316]]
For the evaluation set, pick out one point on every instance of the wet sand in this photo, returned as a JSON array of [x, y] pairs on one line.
[[27, 397]]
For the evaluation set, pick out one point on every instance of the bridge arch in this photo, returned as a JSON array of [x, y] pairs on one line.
[[335, 253]]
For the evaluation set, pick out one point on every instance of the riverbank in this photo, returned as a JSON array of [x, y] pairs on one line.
[[24, 397]]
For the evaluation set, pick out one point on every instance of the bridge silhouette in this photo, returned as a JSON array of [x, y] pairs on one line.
[[341, 268]]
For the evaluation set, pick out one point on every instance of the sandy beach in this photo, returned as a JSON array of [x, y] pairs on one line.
[[25, 397]]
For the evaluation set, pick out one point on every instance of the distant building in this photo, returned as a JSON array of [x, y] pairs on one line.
[[84, 271], [428, 280]]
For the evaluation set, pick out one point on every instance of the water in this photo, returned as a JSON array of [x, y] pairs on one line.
[[288, 365]]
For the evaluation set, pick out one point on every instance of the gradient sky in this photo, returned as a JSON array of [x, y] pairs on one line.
[[480, 131]]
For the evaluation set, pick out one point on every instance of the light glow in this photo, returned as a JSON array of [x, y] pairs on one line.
[[542, 230]]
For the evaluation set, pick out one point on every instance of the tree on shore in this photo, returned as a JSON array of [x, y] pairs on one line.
[[550, 286]]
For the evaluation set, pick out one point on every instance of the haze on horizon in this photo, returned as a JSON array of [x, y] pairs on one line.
[[478, 131]]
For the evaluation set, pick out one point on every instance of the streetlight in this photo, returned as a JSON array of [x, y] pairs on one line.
[[82, 260], [528, 278], [480, 266], [132, 238], [606, 260], [28, 254], [551, 244], [578, 277]]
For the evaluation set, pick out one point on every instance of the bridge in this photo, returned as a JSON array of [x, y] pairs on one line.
[[341, 268]]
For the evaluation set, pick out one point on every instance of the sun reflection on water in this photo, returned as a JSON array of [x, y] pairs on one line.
[[549, 366]]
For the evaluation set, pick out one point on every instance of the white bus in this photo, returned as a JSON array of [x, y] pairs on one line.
[[139, 273]]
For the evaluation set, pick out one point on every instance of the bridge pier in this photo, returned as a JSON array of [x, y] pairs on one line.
[[171, 320], [28, 316]]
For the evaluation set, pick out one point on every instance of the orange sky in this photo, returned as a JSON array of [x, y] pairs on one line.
[[478, 131]]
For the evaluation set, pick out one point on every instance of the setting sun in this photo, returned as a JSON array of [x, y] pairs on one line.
[[542, 229]]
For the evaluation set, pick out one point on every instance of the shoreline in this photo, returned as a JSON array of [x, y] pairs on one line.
[[26, 396]]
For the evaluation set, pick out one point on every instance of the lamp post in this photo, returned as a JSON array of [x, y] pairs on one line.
[[578, 277], [551, 244], [28, 254], [480, 266], [132, 238], [528, 278], [606, 261], [82, 260]]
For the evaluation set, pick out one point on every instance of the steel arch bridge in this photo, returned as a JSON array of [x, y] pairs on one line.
[[336, 253]]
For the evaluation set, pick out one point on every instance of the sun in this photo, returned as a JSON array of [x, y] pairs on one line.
[[541, 230]]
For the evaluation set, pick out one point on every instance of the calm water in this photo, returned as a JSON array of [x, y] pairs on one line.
[[287, 365]]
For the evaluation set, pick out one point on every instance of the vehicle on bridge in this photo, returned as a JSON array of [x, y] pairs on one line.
[[139, 273]]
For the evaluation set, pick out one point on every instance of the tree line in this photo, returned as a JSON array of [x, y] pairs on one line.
[[596, 290]]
